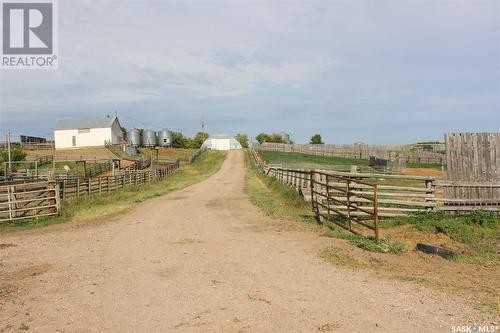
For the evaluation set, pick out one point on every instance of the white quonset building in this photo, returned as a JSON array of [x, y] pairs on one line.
[[221, 142], [87, 132]]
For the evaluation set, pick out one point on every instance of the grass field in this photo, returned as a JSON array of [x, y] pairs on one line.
[[170, 154], [305, 161], [108, 204]]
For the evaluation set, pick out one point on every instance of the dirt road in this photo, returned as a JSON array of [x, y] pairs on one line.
[[202, 259]]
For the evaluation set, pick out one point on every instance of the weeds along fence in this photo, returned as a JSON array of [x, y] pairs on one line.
[[27, 200], [361, 151], [193, 157]]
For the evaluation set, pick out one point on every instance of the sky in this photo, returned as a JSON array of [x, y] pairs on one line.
[[381, 72]]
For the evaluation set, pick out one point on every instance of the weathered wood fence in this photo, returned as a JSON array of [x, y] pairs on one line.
[[26, 200], [97, 185], [361, 151], [472, 178]]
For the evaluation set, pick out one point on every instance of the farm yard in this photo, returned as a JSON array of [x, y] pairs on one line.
[[250, 166], [222, 264]]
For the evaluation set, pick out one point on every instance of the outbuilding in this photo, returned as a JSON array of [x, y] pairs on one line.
[[87, 132], [221, 142]]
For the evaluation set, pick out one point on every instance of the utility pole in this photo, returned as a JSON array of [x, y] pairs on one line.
[[8, 150], [203, 128]]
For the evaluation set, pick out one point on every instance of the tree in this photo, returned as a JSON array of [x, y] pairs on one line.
[[16, 154], [178, 140], [262, 137], [316, 140], [198, 140], [275, 138], [124, 134], [242, 139]]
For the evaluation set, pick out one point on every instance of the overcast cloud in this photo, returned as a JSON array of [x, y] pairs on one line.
[[371, 71]]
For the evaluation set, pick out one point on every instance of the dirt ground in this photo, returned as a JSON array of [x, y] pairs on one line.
[[423, 172], [204, 259]]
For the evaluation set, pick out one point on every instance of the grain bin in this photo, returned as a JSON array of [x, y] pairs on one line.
[[134, 137], [149, 138], [165, 138]]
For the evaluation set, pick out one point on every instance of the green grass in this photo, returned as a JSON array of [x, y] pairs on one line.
[[299, 160], [340, 258], [367, 243], [274, 198], [480, 230], [96, 207]]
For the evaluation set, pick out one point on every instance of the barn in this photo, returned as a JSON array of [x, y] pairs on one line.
[[87, 132], [221, 142]]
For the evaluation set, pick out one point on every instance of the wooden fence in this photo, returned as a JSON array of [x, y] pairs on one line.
[[27, 200], [472, 178], [98, 168], [360, 198], [361, 151], [97, 185]]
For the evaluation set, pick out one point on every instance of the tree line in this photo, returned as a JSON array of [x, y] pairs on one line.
[[278, 138]]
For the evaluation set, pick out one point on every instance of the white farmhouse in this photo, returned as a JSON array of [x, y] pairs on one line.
[[221, 142], [87, 132]]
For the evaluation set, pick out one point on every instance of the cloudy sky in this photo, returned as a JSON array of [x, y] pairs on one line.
[[371, 71]]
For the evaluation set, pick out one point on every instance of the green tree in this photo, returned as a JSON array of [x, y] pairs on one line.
[[16, 154], [124, 133], [198, 140], [275, 138], [242, 139], [179, 140], [262, 137], [316, 140]]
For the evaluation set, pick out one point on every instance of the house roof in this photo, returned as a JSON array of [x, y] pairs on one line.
[[97, 122]]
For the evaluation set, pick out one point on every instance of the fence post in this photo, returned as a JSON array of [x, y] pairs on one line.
[[375, 211], [78, 187], [327, 182], [348, 203]]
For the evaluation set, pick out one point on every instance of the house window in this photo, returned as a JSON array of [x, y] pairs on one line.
[[73, 140], [83, 130]]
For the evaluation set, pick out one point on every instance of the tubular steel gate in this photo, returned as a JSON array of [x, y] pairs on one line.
[[342, 196], [332, 195]]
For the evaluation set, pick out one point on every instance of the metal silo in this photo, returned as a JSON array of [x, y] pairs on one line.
[[165, 138], [149, 138], [134, 137]]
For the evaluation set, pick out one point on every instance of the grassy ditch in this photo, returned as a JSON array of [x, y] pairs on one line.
[[109, 204], [274, 198]]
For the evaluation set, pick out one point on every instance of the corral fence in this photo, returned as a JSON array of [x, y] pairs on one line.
[[31, 198], [26, 200], [97, 185], [405, 153], [360, 199], [38, 145]]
